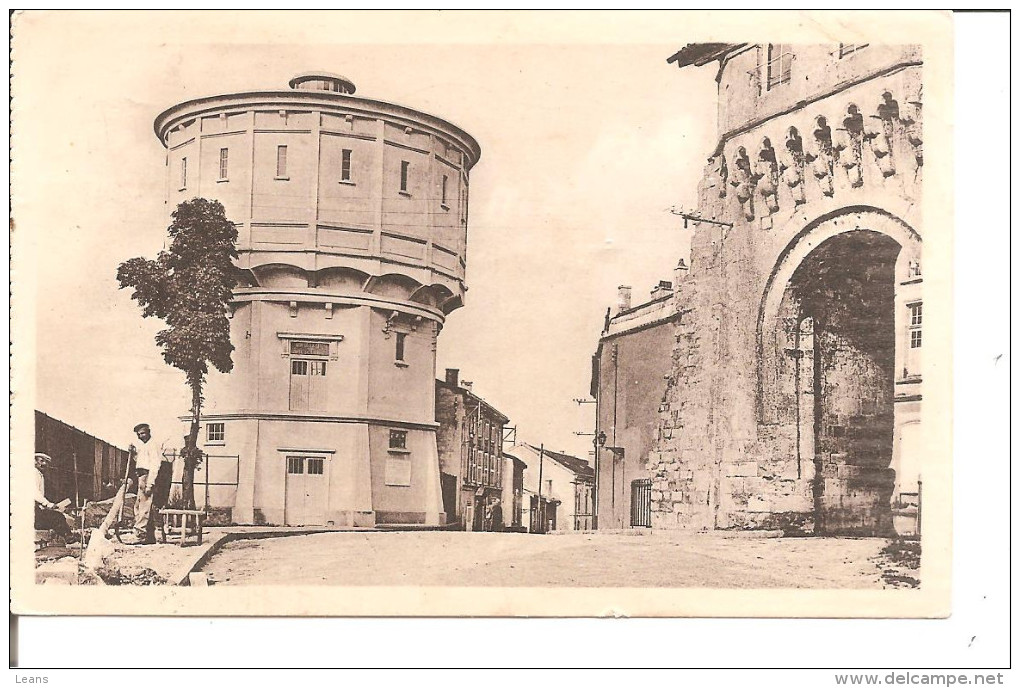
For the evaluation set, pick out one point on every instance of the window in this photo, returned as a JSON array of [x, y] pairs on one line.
[[779, 65], [295, 465], [398, 439], [315, 466], [442, 191], [912, 361], [405, 167], [915, 314], [848, 48], [281, 162], [401, 340], [223, 164], [299, 367], [916, 317], [184, 173], [215, 432], [345, 165]]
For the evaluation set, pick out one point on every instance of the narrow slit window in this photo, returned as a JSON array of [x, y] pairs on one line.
[[184, 173], [281, 162], [405, 168], [401, 343], [442, 190], [345, 165], [223, 163]]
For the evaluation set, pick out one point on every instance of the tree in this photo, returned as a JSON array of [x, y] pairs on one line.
[[190, 287]]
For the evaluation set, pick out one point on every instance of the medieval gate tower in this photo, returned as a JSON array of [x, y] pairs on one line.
[[795, 392], [352, 223]]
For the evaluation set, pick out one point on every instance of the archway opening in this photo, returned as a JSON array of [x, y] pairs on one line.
[[836, 327]]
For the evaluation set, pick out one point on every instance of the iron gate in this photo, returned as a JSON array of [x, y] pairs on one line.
[[641, 503]]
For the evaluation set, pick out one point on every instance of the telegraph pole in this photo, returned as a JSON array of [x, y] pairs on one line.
[[540, 509]]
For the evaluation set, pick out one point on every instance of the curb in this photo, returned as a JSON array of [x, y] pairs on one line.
[[180, 577]]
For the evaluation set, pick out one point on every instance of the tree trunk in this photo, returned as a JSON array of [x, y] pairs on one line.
[[191, 453]]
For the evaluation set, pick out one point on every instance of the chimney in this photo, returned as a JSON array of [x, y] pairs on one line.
[[664, 287], [622, 298], [452, 375], [681, 271]]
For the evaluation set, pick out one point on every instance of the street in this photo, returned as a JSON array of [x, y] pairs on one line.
[[573, 560]]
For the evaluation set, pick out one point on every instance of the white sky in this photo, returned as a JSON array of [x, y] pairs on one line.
[[584, 148]]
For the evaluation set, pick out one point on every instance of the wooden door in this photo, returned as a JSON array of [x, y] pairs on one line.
[[306, 489]]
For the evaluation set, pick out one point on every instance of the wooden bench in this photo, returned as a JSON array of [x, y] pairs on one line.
[[179, 519]]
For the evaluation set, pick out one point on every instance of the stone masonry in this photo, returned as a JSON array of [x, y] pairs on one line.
[[780, 410]]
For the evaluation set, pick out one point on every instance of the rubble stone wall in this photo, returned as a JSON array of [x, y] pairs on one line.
[[750, 435]]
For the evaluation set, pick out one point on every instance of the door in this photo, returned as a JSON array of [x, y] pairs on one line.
[[307, 385], [305, 503], [641, 503]]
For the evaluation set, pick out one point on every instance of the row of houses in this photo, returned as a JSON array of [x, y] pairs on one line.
[[537, 490]]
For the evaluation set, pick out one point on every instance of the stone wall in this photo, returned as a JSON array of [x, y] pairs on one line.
[[778, 412]]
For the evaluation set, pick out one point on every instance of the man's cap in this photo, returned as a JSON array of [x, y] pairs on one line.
[[43, 457], [138, 428]]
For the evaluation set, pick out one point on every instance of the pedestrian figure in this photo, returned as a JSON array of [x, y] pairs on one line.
[[154, 468], [496, 516], [48, 516]]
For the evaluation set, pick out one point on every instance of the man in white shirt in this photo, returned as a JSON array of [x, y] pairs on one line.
[[150, 457]]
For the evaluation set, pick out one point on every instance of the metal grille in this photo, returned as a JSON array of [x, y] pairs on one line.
[[641, 503]]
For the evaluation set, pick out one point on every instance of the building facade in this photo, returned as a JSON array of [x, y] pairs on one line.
[[83, 467], [628, 380], [793, 399], [352, 234], [471, 462], [559, 490]]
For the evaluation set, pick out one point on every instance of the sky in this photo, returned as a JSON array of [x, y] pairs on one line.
[[588, 137]]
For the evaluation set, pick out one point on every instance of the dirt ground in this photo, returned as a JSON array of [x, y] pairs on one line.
[[511, 559]]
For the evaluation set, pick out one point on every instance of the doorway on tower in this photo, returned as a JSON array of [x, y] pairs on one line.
[[836, 327], [306, 489]]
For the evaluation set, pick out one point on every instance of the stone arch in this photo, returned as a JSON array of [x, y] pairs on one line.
[[280, 275], [341, 278], [828, 397], [433, 295], [393, 286], [814, 233]]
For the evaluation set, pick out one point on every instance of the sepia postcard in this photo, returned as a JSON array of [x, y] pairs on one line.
[[481, 314]]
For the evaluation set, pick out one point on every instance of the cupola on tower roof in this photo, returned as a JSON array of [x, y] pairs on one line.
[[322, 81]]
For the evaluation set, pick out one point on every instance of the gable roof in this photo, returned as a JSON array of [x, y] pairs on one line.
[[578, 466]]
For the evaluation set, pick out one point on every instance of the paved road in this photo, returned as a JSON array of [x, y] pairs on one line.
[[510, 559]]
